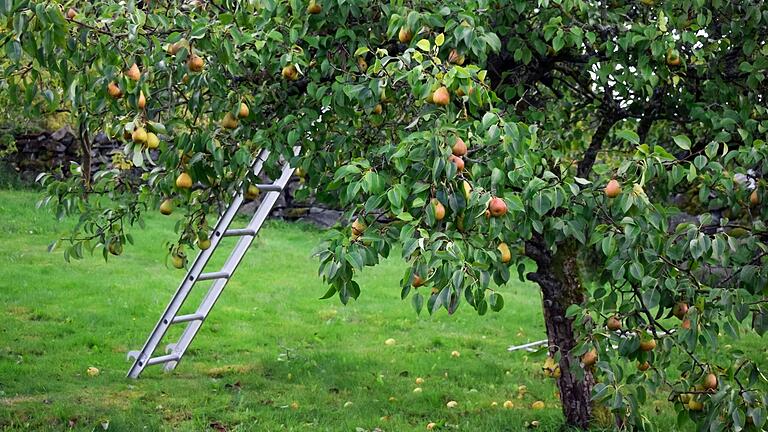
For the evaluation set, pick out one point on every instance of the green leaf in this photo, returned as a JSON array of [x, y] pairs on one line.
[[682, 141], [629, 135]]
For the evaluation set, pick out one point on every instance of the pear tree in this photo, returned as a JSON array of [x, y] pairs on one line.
[[612, 152]]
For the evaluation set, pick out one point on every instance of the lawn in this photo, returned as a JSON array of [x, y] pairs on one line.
[[270, 357]]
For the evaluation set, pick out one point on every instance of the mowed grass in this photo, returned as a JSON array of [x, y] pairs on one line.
[[271, 356]]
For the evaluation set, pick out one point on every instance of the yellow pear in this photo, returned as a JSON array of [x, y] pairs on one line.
[[183, 181], [153, 141], [166, 207], [229, 121], [290, 73], [139, 135], [506, 255]]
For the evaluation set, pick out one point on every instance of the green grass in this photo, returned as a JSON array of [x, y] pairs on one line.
[[269, 343]]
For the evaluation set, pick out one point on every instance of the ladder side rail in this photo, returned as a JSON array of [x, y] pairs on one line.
[[201, 260]]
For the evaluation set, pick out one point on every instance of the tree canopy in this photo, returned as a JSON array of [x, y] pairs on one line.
[[612, 152]]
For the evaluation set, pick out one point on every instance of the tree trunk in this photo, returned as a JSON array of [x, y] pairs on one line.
[[557, 275]]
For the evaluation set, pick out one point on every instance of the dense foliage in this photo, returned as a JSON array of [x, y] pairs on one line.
[[553, 99]]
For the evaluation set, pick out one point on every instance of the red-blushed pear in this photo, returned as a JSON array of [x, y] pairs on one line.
[[506, 254], [680, 309], [114, 90], [686, 324], [142, 102], [441, 96], [195, 63], [497, 207], [673, 57], [590, 358], [290, 72], [647, 344], [613, 189], [133, 73], [439, 209], [405, 35], [71, 13], [378, 109], [244, 111], [459, 162], [613, 323], [184, 181], [166, 207], [314, 7], [754, 198], [455, 58], [644, 366], [459, 147], [417, 281], [710, 382]]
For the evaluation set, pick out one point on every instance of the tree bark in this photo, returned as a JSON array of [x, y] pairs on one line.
[[558, 276]]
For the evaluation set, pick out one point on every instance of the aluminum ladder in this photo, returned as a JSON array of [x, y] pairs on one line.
[[195, 274]]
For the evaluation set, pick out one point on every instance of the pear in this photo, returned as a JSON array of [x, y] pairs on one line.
[[229, 121], [153, 141], [405, 35], [139, 135], [195, 63], [459, 147], [441, 96], [252, 192], [244, 111], [166, 207], [184, 181], [114, 90], [142, 102], [613, 189], [455, 58], [133, 73], [290, 72], [314, 7], [506, 254], [439, 209]]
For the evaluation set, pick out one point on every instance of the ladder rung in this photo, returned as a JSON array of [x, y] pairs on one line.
[[239, 232], [269, 187], [187, 318], [214, 275], [162, 359]]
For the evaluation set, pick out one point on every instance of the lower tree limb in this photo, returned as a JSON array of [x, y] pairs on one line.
[[557, 275]]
